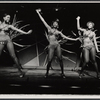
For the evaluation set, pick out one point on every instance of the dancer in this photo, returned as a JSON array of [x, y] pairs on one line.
[[54, 45], [89, 46], [5, 39]]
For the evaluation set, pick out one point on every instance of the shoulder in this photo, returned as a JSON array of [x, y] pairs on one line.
[[93, 33], [59, 32]]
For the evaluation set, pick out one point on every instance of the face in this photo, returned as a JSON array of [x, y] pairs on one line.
[[55, 24], [90, 25], [6, 18]]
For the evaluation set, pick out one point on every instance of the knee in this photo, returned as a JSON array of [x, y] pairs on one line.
[[13, 56]]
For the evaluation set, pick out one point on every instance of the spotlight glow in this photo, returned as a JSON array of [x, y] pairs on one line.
[[15, 85], [45, 86], [75, 87]]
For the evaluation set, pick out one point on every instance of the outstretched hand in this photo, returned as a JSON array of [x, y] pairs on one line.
[[29, 32], [78, 17]]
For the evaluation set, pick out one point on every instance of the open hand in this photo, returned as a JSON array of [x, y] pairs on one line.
[[29, 32]]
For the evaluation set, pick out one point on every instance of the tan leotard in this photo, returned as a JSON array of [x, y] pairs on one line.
[[4, 34], [88, 39]]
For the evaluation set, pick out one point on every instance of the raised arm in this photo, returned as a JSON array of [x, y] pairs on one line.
[[42, 19], [72, 39], [18, 30], [78, 24], [95, 43]]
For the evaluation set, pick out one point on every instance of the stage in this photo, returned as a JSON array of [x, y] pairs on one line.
[[34, 81]]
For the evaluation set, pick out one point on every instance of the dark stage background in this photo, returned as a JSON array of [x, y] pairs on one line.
[[32, 53], [33, 57]]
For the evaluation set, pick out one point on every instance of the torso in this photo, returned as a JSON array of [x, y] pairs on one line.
[[88, 38], [53, 36], [4, 28]]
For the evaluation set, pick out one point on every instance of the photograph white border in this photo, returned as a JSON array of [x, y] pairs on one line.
[[48, 96]]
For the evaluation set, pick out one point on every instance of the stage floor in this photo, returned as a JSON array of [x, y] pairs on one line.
[[34, 81]]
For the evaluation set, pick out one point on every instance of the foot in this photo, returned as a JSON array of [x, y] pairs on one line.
[[21, 75], [63, 75]]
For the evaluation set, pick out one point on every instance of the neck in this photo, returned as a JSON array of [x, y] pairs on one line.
[[54, 28], [90, 29]]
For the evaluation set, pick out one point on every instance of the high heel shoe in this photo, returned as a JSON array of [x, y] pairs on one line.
[[21, 75]]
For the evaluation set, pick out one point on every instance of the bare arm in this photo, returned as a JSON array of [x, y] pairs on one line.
[[95, 43], [42, 19], [18, 30], [46, 36], [72, 39], [78, 24]]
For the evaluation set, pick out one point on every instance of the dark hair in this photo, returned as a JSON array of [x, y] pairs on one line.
[[57, 20], [91, 23], [5, 14]]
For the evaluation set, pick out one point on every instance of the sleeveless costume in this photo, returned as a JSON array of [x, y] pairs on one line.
[[55, 43], [88, 47], [4, 39]]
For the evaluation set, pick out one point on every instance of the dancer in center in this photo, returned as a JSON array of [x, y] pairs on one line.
[[54, 45], [89, 45]]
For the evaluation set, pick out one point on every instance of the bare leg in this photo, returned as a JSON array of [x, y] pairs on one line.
[[93, 59], [50, 57], [59, 55], [12, 54], [78, 61], [85, 54]]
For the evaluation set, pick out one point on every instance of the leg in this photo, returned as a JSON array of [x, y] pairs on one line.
[[1, 48], [78, 61], [59, 55], [12, 54], [50, 57], [93, 59], [85, 54]]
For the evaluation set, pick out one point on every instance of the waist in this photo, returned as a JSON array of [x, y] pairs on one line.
[[53, 42], [4, 37]]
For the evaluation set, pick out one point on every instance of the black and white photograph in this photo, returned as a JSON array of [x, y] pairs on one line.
[[50, 48]]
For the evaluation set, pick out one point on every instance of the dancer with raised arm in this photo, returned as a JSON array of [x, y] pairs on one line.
[[89, 46], [5, 39], [54, 45]]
